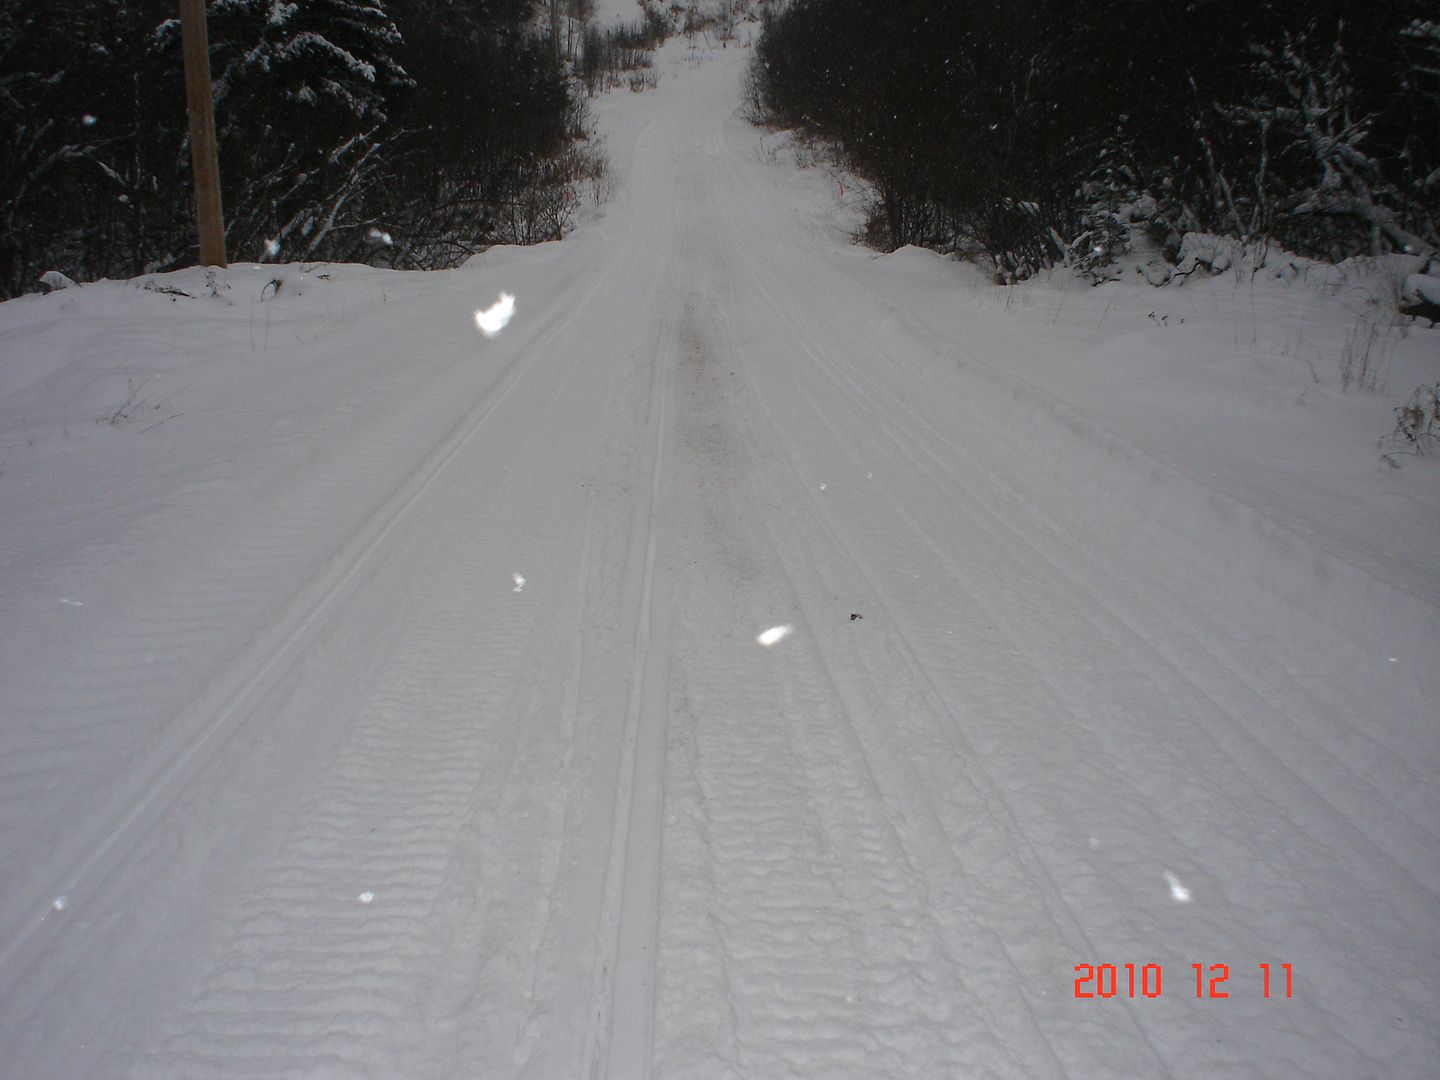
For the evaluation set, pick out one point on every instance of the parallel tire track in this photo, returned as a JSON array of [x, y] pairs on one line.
[[215, 717], [997, 803], [625, 990], [872, 392]]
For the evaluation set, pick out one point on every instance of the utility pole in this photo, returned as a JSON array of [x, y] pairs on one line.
[[204, 156]]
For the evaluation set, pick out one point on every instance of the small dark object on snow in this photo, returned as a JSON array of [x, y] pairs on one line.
[[853, 616], [1423, 309], [167, 290]]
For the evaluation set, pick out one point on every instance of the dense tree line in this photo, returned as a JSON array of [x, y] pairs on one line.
[[404, 131], [1038, 131]]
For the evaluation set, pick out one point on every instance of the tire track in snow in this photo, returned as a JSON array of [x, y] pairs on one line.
[[908, 835], [541, 980], [330, 966], [456, 875], [1253, 750], [591, 1017], [87, 862], [909, 691], [1228, 860], [610, 916], [1180, 650], [915, 673], [823, 934], [1314, 948], [892, 941], [787, 854], [869, 395], [1191, 651], [868, 391], [626, 998]]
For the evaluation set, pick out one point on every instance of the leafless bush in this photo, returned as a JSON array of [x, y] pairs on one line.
[[1417, 426]]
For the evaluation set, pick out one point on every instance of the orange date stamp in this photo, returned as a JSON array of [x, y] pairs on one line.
[[1211, 981]]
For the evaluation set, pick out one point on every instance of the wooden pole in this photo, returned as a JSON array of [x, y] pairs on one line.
[[204, 156]]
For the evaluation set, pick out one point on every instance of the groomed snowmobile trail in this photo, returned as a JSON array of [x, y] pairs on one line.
[[443, 737]]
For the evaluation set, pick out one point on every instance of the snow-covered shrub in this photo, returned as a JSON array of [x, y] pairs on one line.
[[1420, 294], [1215, 253]]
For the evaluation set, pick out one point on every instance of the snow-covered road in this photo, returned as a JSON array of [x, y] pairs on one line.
[[428, 729]]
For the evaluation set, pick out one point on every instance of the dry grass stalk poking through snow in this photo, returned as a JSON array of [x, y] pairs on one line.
[[1365, 356]]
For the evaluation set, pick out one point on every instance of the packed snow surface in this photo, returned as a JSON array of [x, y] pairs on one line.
[[736, 655]]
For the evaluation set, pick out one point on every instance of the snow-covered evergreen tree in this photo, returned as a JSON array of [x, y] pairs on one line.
[[1315, 184], [301, 97]]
